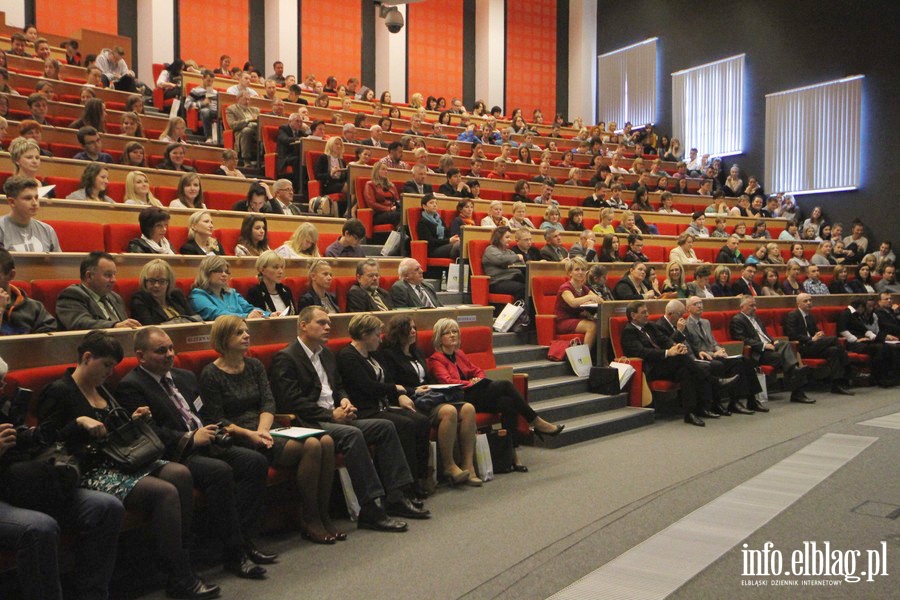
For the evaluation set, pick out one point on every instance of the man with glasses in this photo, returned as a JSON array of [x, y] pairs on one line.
[[283, 201], [365, 295], [91, 146]]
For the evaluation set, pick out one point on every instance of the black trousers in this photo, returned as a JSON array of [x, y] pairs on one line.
[[501, 397], [838, 364], [696, 383], [234, 484], [747, 384], [414, 431], [513, 287], [884, 358]]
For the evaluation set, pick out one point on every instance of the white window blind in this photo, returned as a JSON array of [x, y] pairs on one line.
[[813, 137], [627, 84], [707, 107]]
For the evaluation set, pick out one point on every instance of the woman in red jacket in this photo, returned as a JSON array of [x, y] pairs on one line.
[[382, 197], [449, 364]]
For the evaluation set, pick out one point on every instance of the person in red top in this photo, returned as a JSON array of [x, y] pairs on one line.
[[382, 197], [571, 297], [499, 171], [449, 364]]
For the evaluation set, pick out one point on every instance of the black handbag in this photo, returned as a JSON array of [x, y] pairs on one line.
[[46, 482], [604, 380], [501, 443], [130, 443]]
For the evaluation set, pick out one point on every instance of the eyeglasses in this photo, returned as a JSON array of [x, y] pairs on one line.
[[154, 281]]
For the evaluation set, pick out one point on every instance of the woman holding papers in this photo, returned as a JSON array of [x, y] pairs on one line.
[[572, 298], [237, 395], [405, 366], [449, 364]]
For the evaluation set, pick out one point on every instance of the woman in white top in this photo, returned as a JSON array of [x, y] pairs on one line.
[[519, 220], [734, 185], [495, 216], [94, 181], [684, 253], [797, 257], [174, 131], [190, 193], [229, 167], [303, 243], [665, 204], [137, 190]]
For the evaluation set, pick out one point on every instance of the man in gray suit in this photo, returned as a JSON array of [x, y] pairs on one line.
[[703, 345], [411, 290], [92, 304]]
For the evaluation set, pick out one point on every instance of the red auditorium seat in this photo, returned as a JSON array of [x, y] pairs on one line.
[[78, 237], [117, 235], [47, 290], [543, 294], [479, 283], [419, 248]]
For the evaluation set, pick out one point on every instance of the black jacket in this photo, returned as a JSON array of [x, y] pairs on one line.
[[368, 395], [287, 153], [428, 231], [296, 385], [259, 297], [400, 369], [799, 329], [191, 248], [330, 185], [636, 344], [740, 287], [310, 298], [410, 187], [146, 310]]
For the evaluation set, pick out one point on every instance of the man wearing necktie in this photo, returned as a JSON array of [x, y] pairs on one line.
[[800, 326], [665, 359], [703, 344], [92, 304], [411, 290], [745, 286], [765, 350], [365, 295], [233, 479]]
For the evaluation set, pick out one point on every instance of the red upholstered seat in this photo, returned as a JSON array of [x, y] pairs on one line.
[[479, 283], [78, 237], [47, 290], [117, 235], [195, 360], [543, 294]]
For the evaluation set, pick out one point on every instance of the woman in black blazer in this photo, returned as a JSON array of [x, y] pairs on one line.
[[331, 168], [375, 395], [405, 365], [271, 294], [158, 301], [319, 294], [432, 229]]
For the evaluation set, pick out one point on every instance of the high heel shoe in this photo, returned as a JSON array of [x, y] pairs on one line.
[[316, 538], [474, 481], [554, 433], [455, 480]]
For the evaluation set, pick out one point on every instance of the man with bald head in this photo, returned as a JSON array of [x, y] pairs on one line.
[[374, 138], [411, 290], [800, 326]]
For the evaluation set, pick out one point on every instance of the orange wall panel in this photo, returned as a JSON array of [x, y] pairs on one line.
[[330, 39], [60, 17], [210, 28], [435, 48], [531, 57]]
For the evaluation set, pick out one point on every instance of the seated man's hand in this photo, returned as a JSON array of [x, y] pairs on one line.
[[127, 324]]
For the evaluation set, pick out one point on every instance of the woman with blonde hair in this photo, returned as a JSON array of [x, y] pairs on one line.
[[190, 193], [684, 253], [774, 254], [201, 241], [26, 157], [158, 300], [211, 296], [382, 197], [174, 131], [605, 226], [571, 298], [270, 294], [674, 283], [495, 216], [236, 393], [137, 190], [303, 243], [519, 220], [319, 293], [551, 219]]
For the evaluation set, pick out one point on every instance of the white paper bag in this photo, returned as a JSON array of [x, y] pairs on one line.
[[458, 278], [508, 317], [763, 396], [483, 462], [579, 357], [349, 494], [625, 372], [176, 106], [392, 245]]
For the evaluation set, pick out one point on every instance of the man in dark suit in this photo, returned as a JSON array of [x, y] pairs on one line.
[[553, 249], [635, 251], [703, 345], [374, 138], [417, 184], [306, 383], [665, 359], [765, 350], [92, 304], [365, 295], [283, 201], [800, 326], [411, 290], [287, 148], [859, 328], [744, 285], [233, 479], [729, 253], [887, 315]]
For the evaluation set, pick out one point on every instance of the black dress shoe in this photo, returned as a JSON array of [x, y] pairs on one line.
[[708, 414], [692, 419], [801, 398], [418, 503], [720, 410], [725, 381], [737, 407], [404, 508], [258, 556], [756, 406], [195, 590], [519, 469], [841, 390], [244, 568], [384, 523]]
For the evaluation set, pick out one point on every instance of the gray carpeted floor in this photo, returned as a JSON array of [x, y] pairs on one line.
[[527, 536]]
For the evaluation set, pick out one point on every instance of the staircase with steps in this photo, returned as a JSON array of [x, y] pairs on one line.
[[560, 397]]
